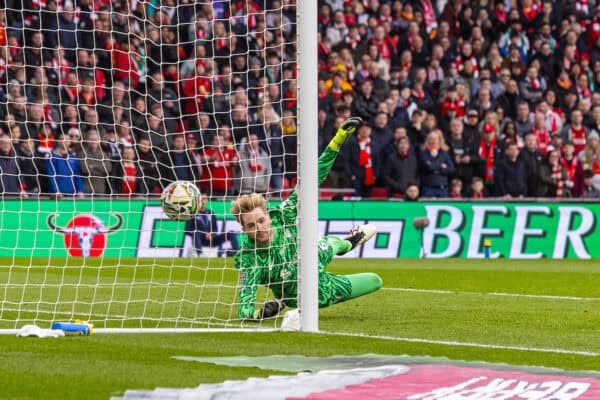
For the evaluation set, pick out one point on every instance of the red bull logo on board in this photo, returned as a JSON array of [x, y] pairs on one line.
[[85, 234]]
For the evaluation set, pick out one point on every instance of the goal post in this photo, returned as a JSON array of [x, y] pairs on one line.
[[109, 101], [307, 166]]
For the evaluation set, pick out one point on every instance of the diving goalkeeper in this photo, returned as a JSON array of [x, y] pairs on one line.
[[267, 254]]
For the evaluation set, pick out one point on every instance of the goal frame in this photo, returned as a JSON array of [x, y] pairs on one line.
[[308, 191], [307, 152]]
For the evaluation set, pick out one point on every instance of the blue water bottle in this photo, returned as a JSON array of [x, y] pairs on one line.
[[487, 248], [77, 328]]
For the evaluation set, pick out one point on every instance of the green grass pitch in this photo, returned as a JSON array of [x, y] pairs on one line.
[[536, 312]]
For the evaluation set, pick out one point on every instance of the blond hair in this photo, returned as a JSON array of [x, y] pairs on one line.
[[246, 203], [440, 136]]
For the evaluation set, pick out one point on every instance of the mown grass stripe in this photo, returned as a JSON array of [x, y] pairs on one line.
[[499, 294], [465, 344]]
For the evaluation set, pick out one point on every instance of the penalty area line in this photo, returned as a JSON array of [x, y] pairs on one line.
[[464, 344], [497, 294]]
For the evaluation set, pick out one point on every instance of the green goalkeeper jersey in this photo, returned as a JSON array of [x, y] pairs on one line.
[[276, 265]]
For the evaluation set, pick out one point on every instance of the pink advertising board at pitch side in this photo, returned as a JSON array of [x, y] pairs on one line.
[[448, 382]]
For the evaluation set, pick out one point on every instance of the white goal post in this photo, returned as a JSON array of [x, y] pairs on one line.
[[307, 166], [102, 104]]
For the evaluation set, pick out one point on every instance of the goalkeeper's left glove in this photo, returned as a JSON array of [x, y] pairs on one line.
[[344, 131], [269, 309]]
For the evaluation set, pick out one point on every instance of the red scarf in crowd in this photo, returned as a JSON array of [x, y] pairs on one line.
[[384, 49], [364, 160], [578, 136], [486, 152], [62, 68], [253, 163], [72, 92], [553, 117], [529, 13], [543, 140], [429, 15], [129, 178], [558, 178], [290, 100], [570, 166], [595, 164], [418, 94], [47, 113], [500, 15], [584, 93], [535, 84], [46, 143]]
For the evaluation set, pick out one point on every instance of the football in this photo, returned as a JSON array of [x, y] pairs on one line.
[[180, 200]]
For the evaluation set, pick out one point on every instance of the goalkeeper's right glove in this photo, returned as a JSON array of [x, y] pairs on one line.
[[344, 131], [269, 309]]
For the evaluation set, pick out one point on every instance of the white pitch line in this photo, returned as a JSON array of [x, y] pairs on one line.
[[466, 344], [499, 294]]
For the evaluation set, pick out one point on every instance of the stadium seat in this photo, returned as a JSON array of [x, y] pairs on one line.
[[379, 193]]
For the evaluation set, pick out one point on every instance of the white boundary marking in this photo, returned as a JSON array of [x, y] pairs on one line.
[[498, 294], [466, 344]]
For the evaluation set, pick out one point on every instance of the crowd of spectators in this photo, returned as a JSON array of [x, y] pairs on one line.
[[460, 99], [464, 99]]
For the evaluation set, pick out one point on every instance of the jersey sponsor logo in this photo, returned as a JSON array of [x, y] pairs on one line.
[[323, 245]]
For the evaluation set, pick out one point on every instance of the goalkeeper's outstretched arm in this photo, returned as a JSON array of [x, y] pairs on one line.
[[327, 158]]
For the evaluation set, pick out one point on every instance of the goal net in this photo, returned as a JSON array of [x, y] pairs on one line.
[[103, 103]]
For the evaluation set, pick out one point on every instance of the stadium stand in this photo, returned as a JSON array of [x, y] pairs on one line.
[[168, 91]]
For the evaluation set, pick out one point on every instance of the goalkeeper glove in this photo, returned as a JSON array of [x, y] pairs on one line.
[[270, 309], [344, 131]]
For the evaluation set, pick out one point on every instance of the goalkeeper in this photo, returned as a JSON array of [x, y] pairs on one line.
[[268, 257]]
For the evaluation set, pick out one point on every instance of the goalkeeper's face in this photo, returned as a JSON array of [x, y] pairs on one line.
[[257, 225]]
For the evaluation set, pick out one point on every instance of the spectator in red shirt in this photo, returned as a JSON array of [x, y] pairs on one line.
[[129, 171], [196, 89], [574, 169], [217, 177], [125, 66], [576, 132], [541, 133]]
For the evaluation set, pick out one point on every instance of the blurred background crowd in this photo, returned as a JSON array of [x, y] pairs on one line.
[[460, 99]]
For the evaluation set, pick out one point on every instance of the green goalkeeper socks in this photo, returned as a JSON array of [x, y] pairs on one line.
[[360, 285], [339, 246], [364, 283]]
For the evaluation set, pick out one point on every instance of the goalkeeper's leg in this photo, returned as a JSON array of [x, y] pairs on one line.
[[364, 283], [335, 289]]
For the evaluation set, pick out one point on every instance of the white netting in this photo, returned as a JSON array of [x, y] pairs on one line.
[[104, 103]]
